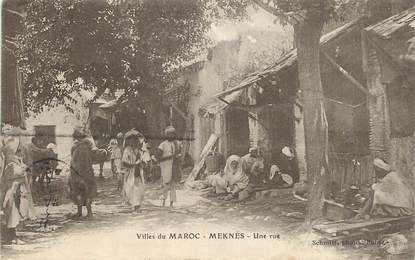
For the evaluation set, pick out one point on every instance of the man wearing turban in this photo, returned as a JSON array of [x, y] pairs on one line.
[[168, 155], [392, 194]]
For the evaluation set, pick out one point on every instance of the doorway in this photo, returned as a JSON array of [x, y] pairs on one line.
[[237, 132]]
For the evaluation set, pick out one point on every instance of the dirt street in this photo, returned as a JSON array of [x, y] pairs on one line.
[[197, 227]]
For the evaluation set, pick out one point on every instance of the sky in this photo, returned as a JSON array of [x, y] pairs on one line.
[[259, 20]]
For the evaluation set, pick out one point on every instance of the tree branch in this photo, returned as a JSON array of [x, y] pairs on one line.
[[14, 12], [11, 42]]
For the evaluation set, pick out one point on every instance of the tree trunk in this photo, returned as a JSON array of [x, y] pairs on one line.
[[156, 119], [307, 37]]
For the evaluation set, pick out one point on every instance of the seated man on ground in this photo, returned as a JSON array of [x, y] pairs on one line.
[[288, 164], [279, 179], [392, 195], [253, 166], [214, 163], [233, 180], [257, 175], [249, 159], [256, 179]]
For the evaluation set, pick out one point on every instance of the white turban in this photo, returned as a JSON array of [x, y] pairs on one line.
[[381, 164], [287, 152], [169, 129], [253, 148]]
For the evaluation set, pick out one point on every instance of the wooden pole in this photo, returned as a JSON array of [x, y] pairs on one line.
[[364, 51], [179, 111], [345, 73], [171, 115]]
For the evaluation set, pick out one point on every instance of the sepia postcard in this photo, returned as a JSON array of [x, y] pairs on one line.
[[207, 129]]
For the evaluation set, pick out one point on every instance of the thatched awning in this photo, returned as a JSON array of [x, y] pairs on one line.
[[215, 105], [387, 28], [392, 39]]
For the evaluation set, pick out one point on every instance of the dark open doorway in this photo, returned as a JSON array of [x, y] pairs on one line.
[[237, 132]]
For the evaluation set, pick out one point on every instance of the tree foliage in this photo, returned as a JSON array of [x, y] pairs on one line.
[[124, 44], [133, 45]]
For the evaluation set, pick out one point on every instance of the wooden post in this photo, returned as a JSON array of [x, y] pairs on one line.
[[199, 165], [300, 142], [364, 51], [171, 115]]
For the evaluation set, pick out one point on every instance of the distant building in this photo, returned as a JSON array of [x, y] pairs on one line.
[[220, 69], [56, 124]]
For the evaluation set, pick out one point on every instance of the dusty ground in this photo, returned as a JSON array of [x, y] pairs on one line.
[[112, 233]]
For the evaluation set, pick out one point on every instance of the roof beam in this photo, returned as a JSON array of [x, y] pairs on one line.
[[242, 85], [249, 114], [345, 73]]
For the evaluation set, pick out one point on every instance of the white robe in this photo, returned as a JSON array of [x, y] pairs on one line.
[[133, 187], [394, 190], [166, 166]]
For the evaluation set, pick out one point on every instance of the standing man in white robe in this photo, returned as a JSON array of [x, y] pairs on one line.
[[168, 153]]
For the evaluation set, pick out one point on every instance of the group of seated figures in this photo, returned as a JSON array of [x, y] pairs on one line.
[[238, 177]]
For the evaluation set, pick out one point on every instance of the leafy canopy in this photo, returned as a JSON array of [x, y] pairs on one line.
[[131, 45]]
